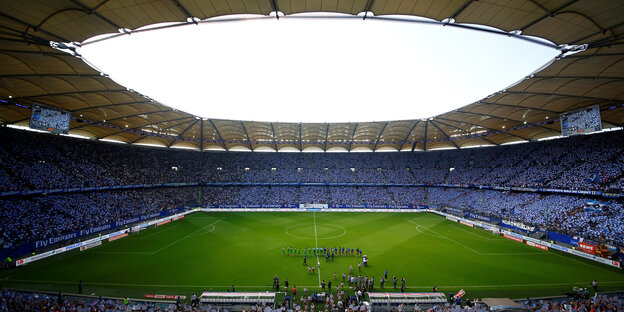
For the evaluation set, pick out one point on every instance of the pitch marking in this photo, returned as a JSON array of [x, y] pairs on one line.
[[212, 228], [459, 227], [418, 226], [318, 262], [185, 237]]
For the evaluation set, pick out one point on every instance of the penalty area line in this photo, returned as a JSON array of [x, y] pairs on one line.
[[185, 237]]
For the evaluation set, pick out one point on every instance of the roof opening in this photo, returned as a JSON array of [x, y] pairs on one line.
[[315, 69]]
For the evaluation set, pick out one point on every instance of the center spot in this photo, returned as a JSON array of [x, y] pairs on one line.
[[323, 231]]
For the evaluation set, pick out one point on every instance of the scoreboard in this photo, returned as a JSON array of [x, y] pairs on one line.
[[581, 121], [49, 119]]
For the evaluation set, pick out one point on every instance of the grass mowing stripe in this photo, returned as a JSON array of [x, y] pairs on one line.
[[318, 262]]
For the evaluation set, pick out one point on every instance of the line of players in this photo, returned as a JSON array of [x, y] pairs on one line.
[[321, 251]]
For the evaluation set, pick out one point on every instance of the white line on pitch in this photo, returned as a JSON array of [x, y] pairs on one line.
[[318, 262], [419, 226], [442, 236], [186, 236]]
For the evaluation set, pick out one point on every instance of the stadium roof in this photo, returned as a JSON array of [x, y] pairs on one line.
[[33, 71]]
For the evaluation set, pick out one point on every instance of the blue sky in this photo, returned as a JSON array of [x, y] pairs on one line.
[[316, 70]]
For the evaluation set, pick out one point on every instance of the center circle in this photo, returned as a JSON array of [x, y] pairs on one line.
[[323, 231]]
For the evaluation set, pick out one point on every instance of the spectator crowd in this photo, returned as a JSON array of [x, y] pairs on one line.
[[35, 161]]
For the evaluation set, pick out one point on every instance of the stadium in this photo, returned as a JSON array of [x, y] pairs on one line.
[[117, 202]]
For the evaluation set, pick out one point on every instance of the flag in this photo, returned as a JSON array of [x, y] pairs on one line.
[[460, 294]]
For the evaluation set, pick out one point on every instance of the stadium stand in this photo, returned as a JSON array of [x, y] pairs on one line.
[[35, 161], [40, 161], [26, 301]]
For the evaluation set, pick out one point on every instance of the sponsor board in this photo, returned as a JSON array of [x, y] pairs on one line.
[[177, 218], [517, 239], [87, 246], [163, 222], [97, 240], [151, 296], [114, 238], [466, 223], [452, 219], [588, 248], [555, 246], [520, 238], [540, 246]]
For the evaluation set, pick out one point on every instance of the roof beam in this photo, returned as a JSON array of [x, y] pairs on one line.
[[12, 32], [460, 129], [112, 105], [415, 141], [182, 9], [426, 133], [300, 139], [462, 8], [50, 75], [101, 4], [539, 5], [518, 106], [183, 132], [138, 139], [352, 136], [326, 137], [484, 127], [274, 138], [505, 118], [129, 116], [447, 136], [32, 26], [275, 8], [368, 7], [408, 134], [548, 14], [94, 12], [611, 40], [201, 141], [68, 93], [558, 94], [581, 55], [218, 134], [578, 77], [379, 136], [53, 53], [173, 126], [138, 127], [247, 134]]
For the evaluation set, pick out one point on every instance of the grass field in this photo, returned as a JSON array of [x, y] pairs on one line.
[[217, 250]]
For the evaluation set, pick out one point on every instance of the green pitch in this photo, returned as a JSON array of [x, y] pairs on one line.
[[218, 250]]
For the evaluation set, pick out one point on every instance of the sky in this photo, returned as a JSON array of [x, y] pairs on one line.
[[316, 70]]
